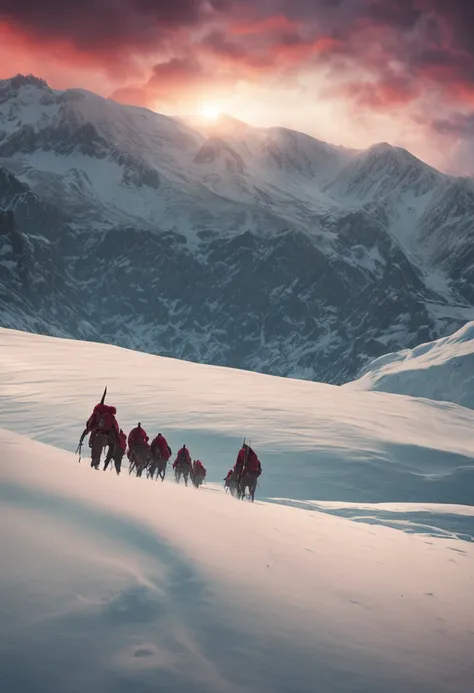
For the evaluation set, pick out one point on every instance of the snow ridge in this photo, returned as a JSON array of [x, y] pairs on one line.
[[440, 370]]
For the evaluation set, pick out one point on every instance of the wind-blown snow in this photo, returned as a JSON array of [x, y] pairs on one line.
[[116, 584], [440, 370]]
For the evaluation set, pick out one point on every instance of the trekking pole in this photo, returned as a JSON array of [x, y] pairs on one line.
[[79, 450]]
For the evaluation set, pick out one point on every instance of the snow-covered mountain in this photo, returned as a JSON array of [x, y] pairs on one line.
[[441, 370], [256, 248]]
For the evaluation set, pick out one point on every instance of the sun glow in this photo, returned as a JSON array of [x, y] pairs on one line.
[[211, 111]]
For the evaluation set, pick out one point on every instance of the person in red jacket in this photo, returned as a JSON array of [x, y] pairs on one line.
[[160, 448], [160, 453], [247, 469], [182, 464], [183, 457], [199, 468], [102, 420], [138, 448], [230, 481], [247, 460], [137, 436], [198, 473], [104, 431]]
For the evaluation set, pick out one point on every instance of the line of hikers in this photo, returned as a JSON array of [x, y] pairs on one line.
[[105, 432]]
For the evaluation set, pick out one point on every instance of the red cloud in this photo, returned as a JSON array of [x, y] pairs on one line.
[[382, 95], [380, 54], [174, 82]]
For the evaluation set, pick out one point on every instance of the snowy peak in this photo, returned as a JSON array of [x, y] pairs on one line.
[[224, 125], [34, 117], [24, 87], [329, 257], [382, 170], [218, 154], [296, 153]]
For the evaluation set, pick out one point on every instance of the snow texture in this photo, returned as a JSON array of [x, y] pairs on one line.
[[440, 370], [116, 584]]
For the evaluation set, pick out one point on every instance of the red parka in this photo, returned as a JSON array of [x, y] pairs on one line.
[[199, 469], [161, 446], [182, 456], [247, 458], [137, 436], [102, 420]]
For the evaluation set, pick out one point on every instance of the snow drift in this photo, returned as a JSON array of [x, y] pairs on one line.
[[118, 585], [440, 370]]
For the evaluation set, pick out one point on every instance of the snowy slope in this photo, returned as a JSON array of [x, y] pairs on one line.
[[118, 585], [441, 370], [316, 442], [256, 248]]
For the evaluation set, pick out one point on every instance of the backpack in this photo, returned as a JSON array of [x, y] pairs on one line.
[[105, 421], [182, 456], [252, 464]]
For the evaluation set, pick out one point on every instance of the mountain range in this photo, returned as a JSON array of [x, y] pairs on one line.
[[257, 248]]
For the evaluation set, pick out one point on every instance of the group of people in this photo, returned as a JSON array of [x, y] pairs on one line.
[[105, 432]]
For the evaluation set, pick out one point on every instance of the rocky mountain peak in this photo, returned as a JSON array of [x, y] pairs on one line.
[[263, 249]]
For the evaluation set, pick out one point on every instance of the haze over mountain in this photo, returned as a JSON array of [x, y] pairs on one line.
[[257, 248]]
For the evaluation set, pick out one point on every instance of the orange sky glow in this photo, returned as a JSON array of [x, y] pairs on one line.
[[351, 72]]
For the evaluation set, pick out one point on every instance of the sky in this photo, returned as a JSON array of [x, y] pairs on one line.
[[350, 72]]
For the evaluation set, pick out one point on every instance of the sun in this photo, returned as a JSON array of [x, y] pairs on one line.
[[211, 111]]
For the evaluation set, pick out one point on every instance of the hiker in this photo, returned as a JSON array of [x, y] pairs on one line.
[[182, 465], [138, 449], [248, 460], [198, 473], [160, 452], [103, 429]]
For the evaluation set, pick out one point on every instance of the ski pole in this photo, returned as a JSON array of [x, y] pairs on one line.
[[79, 450]]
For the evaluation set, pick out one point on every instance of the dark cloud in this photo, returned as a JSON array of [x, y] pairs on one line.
[[377, 52], [88, 24], [218, 43], [458, 124]]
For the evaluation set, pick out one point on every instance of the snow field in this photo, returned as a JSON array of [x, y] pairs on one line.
[[315, 441], [440, 370], [119, 584]]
